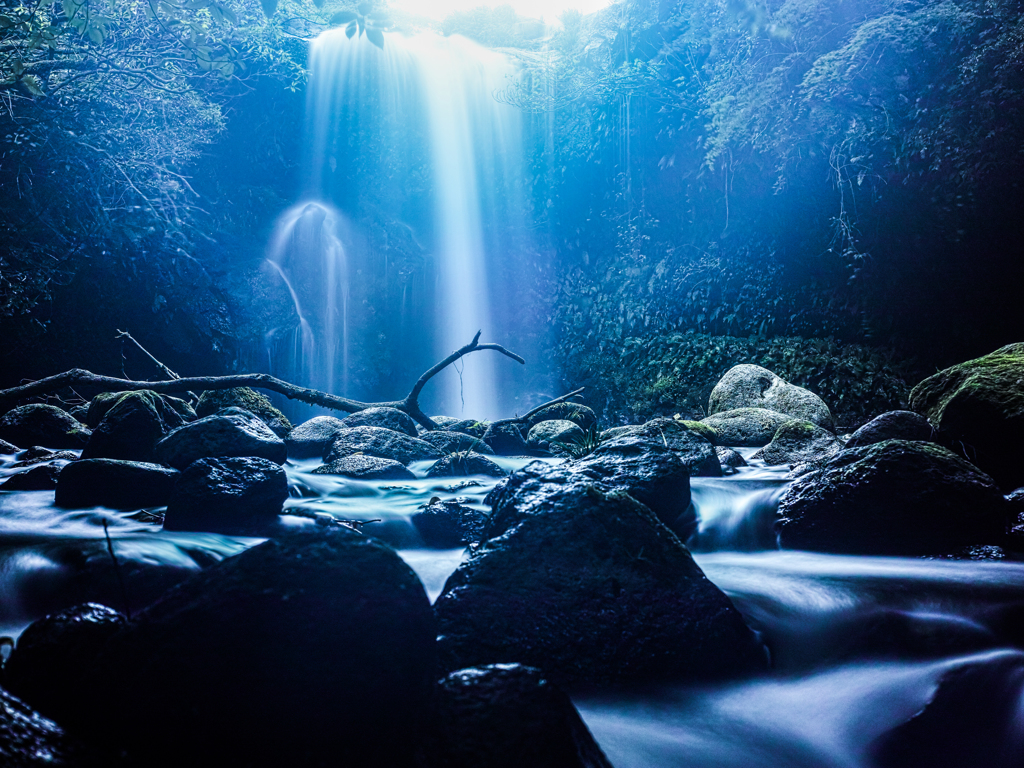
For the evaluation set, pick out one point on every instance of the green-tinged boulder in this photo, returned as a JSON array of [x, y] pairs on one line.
[[892, 498], [580, 415], [103, 402], [688, 444], [751, 386], [746, 427], [544, 435], [132, 426], [215, 400], [980, 404], [799, 442], [45, 425]]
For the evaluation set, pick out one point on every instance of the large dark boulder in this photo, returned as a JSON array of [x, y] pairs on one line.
[[980, 403], [746, 427], [377, 441], [214, 401], [366, 468], [312, 438], [464, 463], [505, 438], [55, 652], [580, 415], [799, 442], [454, 442], [892, 498], [131, 428], [751, 386], [231, 432], [45, 425], [104, 401], [507, 716], [114, 483], [448, 524], [892, 425], [387, 418], [29, 740], [242, 495], [41, 477], [592, 588], [312, 649], [691, 447]]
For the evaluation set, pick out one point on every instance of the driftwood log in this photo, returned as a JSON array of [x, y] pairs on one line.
[[78, 377]]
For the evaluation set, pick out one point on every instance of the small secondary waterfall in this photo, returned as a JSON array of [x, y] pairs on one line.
[[408, 139]]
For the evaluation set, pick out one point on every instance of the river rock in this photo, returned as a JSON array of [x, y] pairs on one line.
[[894, 425], [388, 418], [445, 422], [746, 427], [581, 415], [114, 483], [798, 442], [310, 649], [104, 401], [453, 442], [505, 438], [42, 477], [131, 427], [464, 463], [544, 434], [366, 468], [980, 404], [241, 496], [214, 401], [507, 716], [7, 449], [37, 455], [592, 588], [312, 438], [751, 386], [730, 460], [377, 441], [892, 498], [45, 425], [29, 740], [448, 524], [53, 653], [695, 451], [231, 432], [470, 427]]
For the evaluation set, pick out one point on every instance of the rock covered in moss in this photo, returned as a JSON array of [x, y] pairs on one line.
[[507, 716], [312, 438], [798, 442], [580, 415], [114, 483], [45, 425], [980, 403], [892, 498], [751, 386], [308, 649], [388, 418], [464, 463], [366, 468], [746, 427], [231, 432], [892, 425], [453, 442], [505, 438], [215, 400], [470, 427], [103, 402], [592, 588], [132, 426], [448, 524], [377, 441]]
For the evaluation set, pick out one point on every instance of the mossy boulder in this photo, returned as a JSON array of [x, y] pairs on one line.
[[132, 426], [751, 386], [580, 415], [892, 425], [746, 427], [798, 442], [690, 445], [258, 404], [103, 402], [544, 435], [980, 404], [45, 425]]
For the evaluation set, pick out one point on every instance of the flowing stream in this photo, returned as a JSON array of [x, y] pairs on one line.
[[859, 644]]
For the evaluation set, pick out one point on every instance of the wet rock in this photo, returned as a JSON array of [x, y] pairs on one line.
[[544, 434], [235, 496], [312, 649], [214, 401], [892, 498], [131, 428], [972, 719], [798, 442], [55, 652], [746, 427], [581, 415], [366, 468], [377, 441], [454, 442], [445, 422], [696, 452], [29, 740], [312, 438], [45, 425], [80, 412], [465, 463], [470, 427], [894, 425], [448, 524], [37, 455], [730, 460], [980, 403], [231, 432], [114, 483], [591, 587], [7, 449], [505, 438], [507, 715], [751, 386], [42, 477], [102, 403], [386, 418]]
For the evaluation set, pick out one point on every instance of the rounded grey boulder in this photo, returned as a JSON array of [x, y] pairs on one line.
[[231, 432], [751, 386]]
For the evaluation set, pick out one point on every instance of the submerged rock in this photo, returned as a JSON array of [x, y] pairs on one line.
[[799, 442], [213, 401], [312, 438], [231, 432], [131, 427], [377, 441], [310, 649], [893, 425], [980, 403], [448, 524], [746, 427], [591, 587], [45, 425], [464, 463], [114, 483], [366, 468], [892, 498], [387, 418], [581, 415], [751, 386], [507, 716], [29, 740], [453, 442], [236, 496]]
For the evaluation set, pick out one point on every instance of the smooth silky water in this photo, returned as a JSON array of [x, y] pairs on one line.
[[858, 644]]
